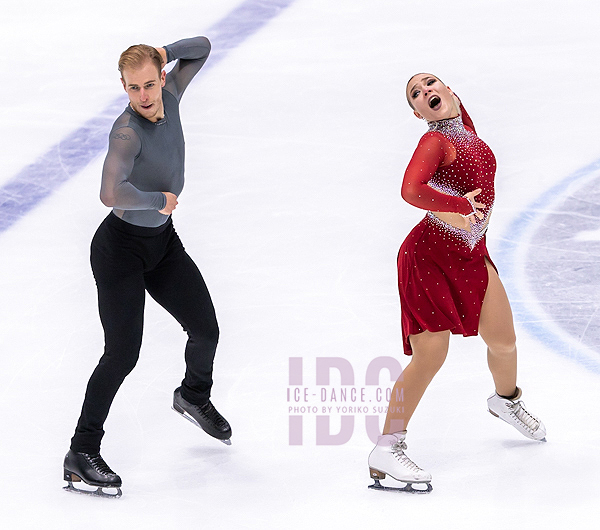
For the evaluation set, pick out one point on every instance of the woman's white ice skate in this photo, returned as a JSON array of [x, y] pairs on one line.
[[513, 412], [388, 458]]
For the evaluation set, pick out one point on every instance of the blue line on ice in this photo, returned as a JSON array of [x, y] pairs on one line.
[[63, 161], [526, 312]]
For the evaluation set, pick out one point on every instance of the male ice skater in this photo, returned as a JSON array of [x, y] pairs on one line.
[[136, 249]]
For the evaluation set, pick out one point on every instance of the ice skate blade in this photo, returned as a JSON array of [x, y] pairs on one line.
[[407, 489], [183, 413], [94, 493]]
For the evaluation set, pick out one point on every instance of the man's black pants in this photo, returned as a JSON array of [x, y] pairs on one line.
[[128, 260]]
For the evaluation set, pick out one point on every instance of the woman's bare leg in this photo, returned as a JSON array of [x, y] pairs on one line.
[[497, 330], [429, 353]]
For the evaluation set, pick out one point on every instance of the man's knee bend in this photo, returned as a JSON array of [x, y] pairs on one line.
[[129, 364], [212, 332], [206, 331], [119, 363]]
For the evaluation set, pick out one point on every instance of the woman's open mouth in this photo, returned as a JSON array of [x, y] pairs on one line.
[[434, 102]]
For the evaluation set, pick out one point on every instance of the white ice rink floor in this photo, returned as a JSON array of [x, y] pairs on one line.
[[297, 140]]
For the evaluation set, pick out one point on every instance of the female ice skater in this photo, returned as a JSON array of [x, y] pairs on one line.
[[447, 281]]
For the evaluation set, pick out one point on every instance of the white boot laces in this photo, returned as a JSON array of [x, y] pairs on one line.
[[398, 451], [528, 420]]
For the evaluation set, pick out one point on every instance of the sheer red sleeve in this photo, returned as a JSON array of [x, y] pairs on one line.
[[428, 156]]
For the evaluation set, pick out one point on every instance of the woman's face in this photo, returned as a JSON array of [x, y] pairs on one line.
[[430, 98]]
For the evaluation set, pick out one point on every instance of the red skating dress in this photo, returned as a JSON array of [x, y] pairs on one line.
[[442, 276]]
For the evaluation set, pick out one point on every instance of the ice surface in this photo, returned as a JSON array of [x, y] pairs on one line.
[[296, 146]]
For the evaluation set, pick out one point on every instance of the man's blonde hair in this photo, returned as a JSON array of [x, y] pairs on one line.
[[137, 55]]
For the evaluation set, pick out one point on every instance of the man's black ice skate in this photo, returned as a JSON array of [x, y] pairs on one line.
[[204, 416], [92, 470]]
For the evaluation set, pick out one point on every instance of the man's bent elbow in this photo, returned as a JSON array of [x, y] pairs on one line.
[[108, 199]]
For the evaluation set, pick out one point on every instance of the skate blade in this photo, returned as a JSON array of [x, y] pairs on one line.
[[94, 493], [189, 418], [183, 413], [408, 488]]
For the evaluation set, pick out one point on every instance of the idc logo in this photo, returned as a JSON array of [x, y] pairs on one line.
[[348, 403]]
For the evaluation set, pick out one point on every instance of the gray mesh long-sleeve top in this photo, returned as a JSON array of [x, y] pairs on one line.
[[146, 158]]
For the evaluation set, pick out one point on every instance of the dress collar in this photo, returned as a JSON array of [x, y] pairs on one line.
[[450, 126]]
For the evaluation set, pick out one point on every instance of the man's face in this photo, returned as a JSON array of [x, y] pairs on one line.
[[143, 86]]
